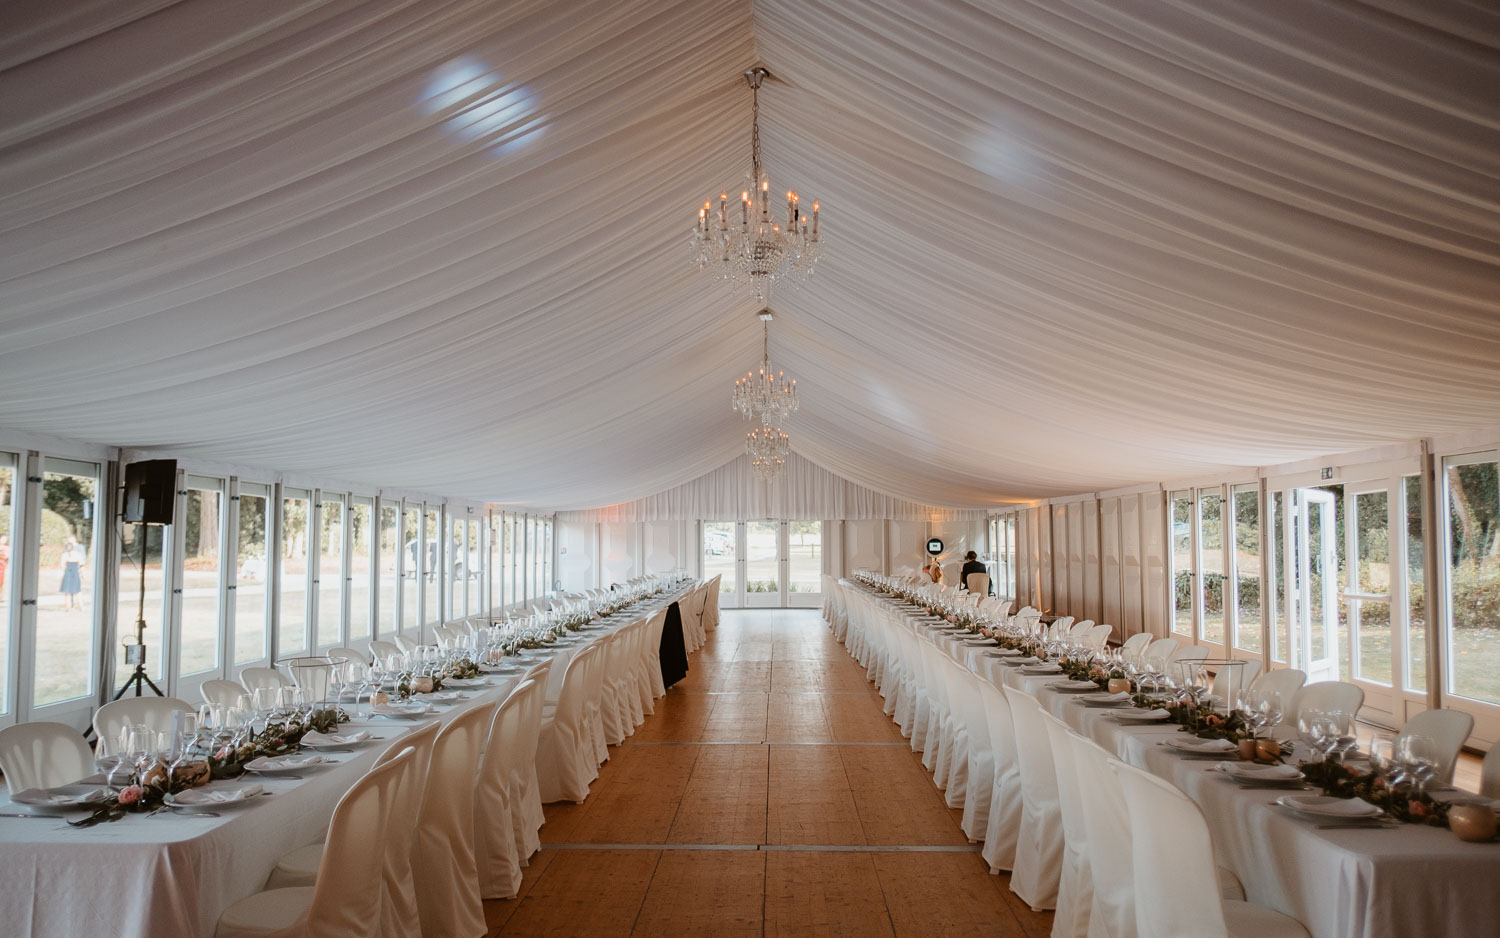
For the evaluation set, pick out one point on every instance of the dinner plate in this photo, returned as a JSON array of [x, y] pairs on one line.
[[1199, 747], [281, 765], [1007, 653], [1328, 806], [1104, 700], [1258, 774], [1021, 662], [315, 740], [464, 682], [445, 696], [1042, 669], [1072, 687], [1141, 716], [403, 710], [212, 799], [61, 799]]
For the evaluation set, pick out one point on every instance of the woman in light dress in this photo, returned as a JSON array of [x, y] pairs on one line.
[[934, 571], [72, 582]]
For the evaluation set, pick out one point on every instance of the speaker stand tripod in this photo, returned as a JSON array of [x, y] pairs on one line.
[[136, 654]]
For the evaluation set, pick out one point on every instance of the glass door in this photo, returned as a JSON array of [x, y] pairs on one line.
[[1312, 583], [764, 564], [804, 563], [719, 560]]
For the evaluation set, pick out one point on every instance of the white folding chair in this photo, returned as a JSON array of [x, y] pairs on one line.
[[443, 865], [496, 853], [222, 693], [347, 895], [153, 712], [1448, 729], [1075, 891], [300, 866], [43, 755], [1173, 865], [1039, 846], [565, 760], [257, 678]]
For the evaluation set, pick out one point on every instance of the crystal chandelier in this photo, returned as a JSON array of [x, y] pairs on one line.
[[766, 396], [750, 248], [768, 448]]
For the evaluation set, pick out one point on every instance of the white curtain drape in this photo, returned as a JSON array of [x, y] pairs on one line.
[[803, 492], [442, 245]]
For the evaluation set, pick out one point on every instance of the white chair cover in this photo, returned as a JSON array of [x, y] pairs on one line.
[[1039, 844], [652, 668], [384, 649], [1112, 912], [1160, 652], [711, 604], [351, 655], [1325, 695], [1448, 729], [222, 693], [400, 917], [1135, 646], [154, 712], [443, 866], [496, 851], [979, 584], [1249, 671], [347, 896], [257, 678], [43, 755], [1176, 887], [566, 760], [522, 791], [1004, 824], [1075, 892], [974, 757], [1098, 636]]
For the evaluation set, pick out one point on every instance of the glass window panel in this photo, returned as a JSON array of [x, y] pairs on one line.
[[1416, 597], [455, 568], [291, 629], [761, 555], [718, 558], [330, 574], [1182, 562], [1247, 568], [804, 553], [1473, 579], [547, 584], [7, 575], [390, 558], [361, 538], [202, 514], [250, 577], [528, 561], [473, 571], [1370, 618], [1275, 558], [65, 585], [128, 604], [411, 565], [432, 578], [1211, 563]]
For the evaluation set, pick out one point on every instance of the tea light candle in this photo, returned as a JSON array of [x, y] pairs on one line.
[[1119, 685]]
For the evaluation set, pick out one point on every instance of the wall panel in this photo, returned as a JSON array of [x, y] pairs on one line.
[[1154, 559], [577, 550], [864, 546], [1090, 522], [618, 547], [1110, 563], [1132, 566]]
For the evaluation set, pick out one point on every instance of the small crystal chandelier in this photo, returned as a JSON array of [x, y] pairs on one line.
[[766, 396], [754, 249], [768, 448]]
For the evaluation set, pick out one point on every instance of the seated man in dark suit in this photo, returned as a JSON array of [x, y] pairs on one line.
[[972, 565]]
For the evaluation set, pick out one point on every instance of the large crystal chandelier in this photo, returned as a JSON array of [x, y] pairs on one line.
[[767, 395], [750, 247]]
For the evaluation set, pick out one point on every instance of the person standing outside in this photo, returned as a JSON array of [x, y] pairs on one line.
[[73, 560], [972, 564]]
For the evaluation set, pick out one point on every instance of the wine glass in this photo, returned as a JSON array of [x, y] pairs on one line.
[[1419, 757], [1383, 759]]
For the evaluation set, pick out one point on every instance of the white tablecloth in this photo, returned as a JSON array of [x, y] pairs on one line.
[[1378, 883], [169, 875]]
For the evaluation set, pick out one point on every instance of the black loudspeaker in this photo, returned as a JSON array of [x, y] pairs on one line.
[[150, 489]]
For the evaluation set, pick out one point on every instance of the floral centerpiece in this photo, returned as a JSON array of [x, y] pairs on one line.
[[1405, 803]]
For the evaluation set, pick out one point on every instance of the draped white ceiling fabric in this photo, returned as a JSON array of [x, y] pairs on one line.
[[803, 492], [442, 244]]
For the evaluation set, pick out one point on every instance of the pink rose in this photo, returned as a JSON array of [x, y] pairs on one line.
[[130, 794]]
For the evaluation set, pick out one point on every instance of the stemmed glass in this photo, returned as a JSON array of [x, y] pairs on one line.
[[1383, 759], [1418, 758]]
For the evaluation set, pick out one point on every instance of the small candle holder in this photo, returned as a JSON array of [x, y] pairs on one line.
[[1119, 685]]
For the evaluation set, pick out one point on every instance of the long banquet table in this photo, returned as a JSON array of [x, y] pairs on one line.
[[169, 874], [1340, 883]]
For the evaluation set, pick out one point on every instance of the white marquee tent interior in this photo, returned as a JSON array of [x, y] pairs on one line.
[[1112, 292]]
